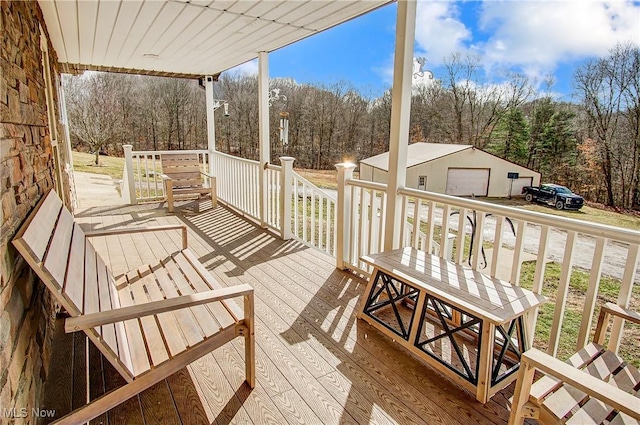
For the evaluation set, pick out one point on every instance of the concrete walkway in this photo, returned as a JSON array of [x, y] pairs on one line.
[[95, 190]]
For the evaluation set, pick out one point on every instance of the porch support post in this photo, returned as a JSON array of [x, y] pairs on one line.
[[211, 123], [343, 215], [263, 119], [286, 182], [400, 109], [128, 183]]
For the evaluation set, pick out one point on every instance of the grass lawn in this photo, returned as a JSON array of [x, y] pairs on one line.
[[109, 165]]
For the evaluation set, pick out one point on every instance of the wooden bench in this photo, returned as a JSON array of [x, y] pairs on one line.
[[593, 386], [150, 322], [182, 177]]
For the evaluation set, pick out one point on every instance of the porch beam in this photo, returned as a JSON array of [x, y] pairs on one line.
[[211, 123], [400, 109], [263, 120]]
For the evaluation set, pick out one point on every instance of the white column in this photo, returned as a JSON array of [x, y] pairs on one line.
[[128, 183], [286, 180], [343, 215], [211, 122], [400, 109], [263, 120]]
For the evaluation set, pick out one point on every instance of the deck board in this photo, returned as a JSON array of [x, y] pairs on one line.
[[315, 362]]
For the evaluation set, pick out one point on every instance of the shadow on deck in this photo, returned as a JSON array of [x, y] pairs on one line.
[[316, 363]]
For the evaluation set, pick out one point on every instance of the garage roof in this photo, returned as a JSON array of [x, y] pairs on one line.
[[184, 38], [417, 153]]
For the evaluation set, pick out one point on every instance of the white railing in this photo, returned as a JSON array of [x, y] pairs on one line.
[[275, 190], [238, 183], [142, 179], [475, 227], [314, 214]]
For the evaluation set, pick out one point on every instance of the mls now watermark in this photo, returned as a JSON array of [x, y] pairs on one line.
[[23, 412]]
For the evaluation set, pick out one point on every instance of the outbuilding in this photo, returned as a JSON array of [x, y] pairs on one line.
[[460, 170]]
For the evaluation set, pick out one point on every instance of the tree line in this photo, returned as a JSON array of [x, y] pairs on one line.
[[591, 145]]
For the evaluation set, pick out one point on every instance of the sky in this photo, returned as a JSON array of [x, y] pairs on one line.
[[538, 38]]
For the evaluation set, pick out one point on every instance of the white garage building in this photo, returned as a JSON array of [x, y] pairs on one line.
[[460, 170]]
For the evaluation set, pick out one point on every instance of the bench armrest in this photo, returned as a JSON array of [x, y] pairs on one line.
[[610, 309], [607, 393], [86, 321], [128, 230], [165, 177]]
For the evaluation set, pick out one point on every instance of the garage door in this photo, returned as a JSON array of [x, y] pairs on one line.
[[518, 184], [468, 181]]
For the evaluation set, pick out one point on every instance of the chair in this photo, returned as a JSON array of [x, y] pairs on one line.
[[148, 323], [182, 177], [594, 386]]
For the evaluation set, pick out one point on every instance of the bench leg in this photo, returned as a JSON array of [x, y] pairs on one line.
[[521, 394], [214, 193], [249, 341], [169, 191]]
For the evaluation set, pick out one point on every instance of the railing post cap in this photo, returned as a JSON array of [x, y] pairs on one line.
[[125, 147], [346, 165], [286, 158]]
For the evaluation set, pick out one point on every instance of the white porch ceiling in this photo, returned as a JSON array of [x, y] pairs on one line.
[[184, 38]]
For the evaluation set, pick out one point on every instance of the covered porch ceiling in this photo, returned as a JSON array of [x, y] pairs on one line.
[[184, 38]]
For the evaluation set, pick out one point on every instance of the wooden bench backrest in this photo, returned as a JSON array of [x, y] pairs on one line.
[[183, 168], [57, 249]]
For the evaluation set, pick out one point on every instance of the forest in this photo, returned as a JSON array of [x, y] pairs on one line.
[[591, 144]]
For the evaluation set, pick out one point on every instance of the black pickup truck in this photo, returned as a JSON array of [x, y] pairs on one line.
[[553, 194]]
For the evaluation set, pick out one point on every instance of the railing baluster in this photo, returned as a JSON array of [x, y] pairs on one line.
[[592, 293], [415, 230], [478, 240], [313, 217], [460, 238], [517, 253], [497, 244], [444, 232], [538, 280], [561, 295]]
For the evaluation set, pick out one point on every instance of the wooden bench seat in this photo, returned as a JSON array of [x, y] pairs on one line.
[[150, 322], [183, 177], [594, 386]]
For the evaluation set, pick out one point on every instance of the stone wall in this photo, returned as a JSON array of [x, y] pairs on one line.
[[27, 310]]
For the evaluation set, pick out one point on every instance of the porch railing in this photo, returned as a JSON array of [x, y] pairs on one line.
[[293, 206], [467, 230]]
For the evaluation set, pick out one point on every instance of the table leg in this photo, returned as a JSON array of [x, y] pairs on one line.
[[485, 348]]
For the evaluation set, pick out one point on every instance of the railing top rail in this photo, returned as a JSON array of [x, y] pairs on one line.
[[169, 152], [274, 167], [307, 182], [367, 184], [236, 158], [594, 229]]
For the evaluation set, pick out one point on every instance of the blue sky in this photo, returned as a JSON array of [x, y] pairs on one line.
[[536, 38]]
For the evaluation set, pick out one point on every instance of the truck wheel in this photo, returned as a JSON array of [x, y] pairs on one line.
[[528, 197], [559, 205]]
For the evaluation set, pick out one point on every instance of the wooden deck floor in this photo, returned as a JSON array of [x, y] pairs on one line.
[[316, 363]]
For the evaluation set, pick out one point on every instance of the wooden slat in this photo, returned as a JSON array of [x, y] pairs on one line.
[[201, 313], [57, 258], [221, 315], [152, 335], [124, 350], [189, 328], [104, 297], [74, 284], [140, 361], [91, 297], [39, 232], [167, 321]]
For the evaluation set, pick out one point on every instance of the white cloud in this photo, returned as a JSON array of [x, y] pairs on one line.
[[249, 68], [534, 36], [540, 34], [439, 31]]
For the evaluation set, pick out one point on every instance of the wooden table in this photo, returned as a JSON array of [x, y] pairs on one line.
[[467, 325]]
